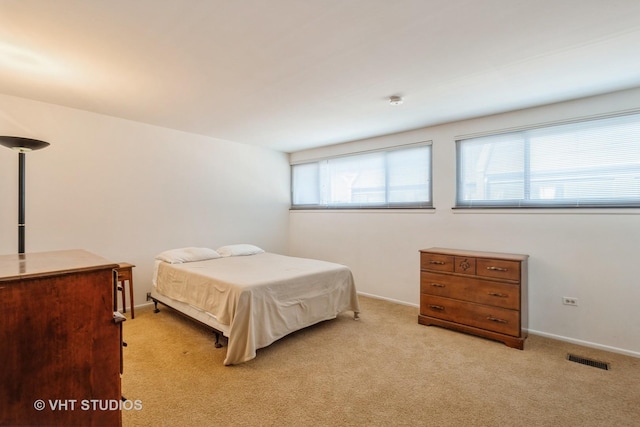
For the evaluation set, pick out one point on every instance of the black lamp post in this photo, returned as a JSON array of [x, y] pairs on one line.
[[22, 146]]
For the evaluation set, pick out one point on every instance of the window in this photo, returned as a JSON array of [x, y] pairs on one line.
[[593, 163], [398, 178]]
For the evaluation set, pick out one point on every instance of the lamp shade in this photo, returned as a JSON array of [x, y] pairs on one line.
[[19, 143]]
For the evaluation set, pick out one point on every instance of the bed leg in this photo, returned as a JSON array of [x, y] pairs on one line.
[[155, 305], [217, 344], [356, 315]]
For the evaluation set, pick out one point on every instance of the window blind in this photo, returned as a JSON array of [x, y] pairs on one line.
[[592, 163], [381, 179]]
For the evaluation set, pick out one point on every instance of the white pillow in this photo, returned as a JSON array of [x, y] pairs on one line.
[[238, 250], [180, 255]]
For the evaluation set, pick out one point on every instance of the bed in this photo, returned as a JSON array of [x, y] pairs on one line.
[[250, 296]]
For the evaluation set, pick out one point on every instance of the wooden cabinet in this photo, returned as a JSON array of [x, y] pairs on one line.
[[60, 362], [482, 293]]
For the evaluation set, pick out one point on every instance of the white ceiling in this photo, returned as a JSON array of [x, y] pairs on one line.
[[296, 74]]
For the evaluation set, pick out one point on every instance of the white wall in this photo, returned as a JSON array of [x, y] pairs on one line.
[[127, 191], [590, 255]]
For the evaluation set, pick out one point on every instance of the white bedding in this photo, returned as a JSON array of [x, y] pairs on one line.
[[259, 298]]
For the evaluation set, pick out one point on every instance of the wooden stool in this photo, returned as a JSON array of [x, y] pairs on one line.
[[125, 273]]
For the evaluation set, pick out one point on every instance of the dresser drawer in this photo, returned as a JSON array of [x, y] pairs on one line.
[[465, 265], [471, 289], [437, 262], [486, 317], [498, 268]]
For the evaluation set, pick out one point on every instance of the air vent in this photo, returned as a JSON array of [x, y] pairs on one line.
[[588, 362]]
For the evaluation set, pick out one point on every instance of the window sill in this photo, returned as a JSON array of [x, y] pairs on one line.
[[369, 210], [547, 211]]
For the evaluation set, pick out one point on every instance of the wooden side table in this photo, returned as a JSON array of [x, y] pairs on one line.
[[125, 274]]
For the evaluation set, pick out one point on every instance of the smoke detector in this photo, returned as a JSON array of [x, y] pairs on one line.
[[395, 100]]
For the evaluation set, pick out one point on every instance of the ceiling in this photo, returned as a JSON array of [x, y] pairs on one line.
[[296, 74]]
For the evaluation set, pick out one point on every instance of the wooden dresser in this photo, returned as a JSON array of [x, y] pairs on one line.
[[481, 293], [61, 348]]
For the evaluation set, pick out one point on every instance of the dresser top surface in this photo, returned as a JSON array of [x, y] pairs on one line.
[[38, 264], [476, 254]]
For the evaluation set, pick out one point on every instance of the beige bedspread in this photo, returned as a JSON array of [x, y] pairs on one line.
[[261, 297]]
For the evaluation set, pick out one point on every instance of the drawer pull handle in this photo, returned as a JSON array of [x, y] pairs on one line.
[[496, 268], [436, 307], [495, 319], [499, 295], [438, 285], [437, 262]]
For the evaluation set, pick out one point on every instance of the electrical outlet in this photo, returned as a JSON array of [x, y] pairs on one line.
[[569, 301]]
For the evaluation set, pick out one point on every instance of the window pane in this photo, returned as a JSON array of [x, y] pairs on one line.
[[586, 162], [305, 183], [357, 179], [492, 168], [409, 179]]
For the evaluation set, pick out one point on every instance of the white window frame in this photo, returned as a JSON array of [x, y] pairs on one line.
[[325, 202]]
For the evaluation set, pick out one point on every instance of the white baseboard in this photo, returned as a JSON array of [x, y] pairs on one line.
[[586, 343], [387, 299]]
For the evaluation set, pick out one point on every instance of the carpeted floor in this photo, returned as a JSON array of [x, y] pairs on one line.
[[382, 370]]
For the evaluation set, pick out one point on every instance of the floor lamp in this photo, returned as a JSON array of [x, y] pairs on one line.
[[22, 146]]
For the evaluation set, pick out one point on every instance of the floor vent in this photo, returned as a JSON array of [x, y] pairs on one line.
[[588, 362]]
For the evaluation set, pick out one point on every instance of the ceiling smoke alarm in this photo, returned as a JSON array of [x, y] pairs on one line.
[[395, 100]]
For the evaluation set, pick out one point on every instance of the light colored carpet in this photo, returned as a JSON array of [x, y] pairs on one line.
[[382, 370]]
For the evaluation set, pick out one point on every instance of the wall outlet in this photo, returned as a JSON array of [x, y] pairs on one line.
[[569, 301]]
